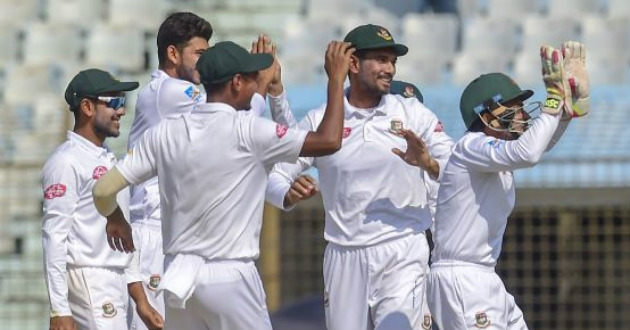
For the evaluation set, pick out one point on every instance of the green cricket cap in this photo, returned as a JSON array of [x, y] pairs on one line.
[[94, 83], [370, 36], [488, 89], [225, 59], [405, 89]]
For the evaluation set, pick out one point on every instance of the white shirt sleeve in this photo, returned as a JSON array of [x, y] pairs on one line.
[[562, 127], [280, 110], [139, 165], [283, 174], [488, 154], [132, 271], [61, 183], [258, 105], [271, 142], [177, 97]]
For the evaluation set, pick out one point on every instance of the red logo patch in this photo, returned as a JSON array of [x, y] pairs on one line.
[[99, 171], [54, 191], [281, 130], [346, 132], [439, 127]]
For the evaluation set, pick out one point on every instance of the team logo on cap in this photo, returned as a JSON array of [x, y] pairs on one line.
[[154, 281], [346, 132], [109, 310], [384, 34], [98, 172], [281, 130], [409, 92], [54, 191], [396, 125], [481, 320], [426, 322]]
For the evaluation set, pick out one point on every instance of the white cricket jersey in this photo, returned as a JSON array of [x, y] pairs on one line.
[[476, 194], [73, 232], [212, 166], [165, 97], [370, 195]]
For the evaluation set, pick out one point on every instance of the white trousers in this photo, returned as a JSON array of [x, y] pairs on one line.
[[228, 295], [467, 296], [377, 287], [147, 237], [98, 298]]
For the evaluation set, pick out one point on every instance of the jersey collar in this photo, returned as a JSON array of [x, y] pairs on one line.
[[360, 113], [87, 145], [214, 107]]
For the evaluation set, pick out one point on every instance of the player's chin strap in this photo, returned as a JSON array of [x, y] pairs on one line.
[[503, 121], [105, 190]]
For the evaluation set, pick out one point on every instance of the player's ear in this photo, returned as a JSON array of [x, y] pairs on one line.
[[173, 55], [87, 108], [354, 63]]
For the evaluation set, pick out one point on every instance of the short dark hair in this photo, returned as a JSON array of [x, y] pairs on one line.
[[178, 29]]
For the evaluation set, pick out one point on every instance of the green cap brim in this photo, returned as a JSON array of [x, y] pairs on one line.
[[121, 87], [399, 49], [258, 62]]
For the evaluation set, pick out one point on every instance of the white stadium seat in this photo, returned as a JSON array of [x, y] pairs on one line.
[[17, 12], [115, 48], [145, 14], [510, 8], [10, 44], [467, 67], [607, 36], [47, 43], [429, 34], [540, 30], [573, 8], [80, 12], [491, 35]]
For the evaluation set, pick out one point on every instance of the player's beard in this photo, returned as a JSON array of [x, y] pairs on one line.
[[106, 128], [372, 86]]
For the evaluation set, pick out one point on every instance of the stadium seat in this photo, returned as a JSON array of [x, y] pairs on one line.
[[47, 43], [144, 14], [607, 36], [376, 16], [467, 67], [431, 34], [511, 8], [16, 12], [327, 9], [428, 70], [539, 30], [618, 8], [10, 45], [23, 82], [527, 68], [80, 12], [491, 35], [573, 8], [115, 48], [607, 69]]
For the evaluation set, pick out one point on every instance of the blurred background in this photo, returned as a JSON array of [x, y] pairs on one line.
[[566, 255]]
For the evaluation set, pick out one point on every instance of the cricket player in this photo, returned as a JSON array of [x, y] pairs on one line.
[[376, 205], [212, 165], [173, 91], [87, 281], [476, 194]]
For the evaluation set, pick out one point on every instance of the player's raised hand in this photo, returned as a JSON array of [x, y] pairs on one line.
[[337, 60], [302, 188], [265, 77], [558, 91], [574, 54], [417, 153], [119, 232]]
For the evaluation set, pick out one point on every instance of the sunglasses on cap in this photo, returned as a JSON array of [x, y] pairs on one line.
[[114, 102]]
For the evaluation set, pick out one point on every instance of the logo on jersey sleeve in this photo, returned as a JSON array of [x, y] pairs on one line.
[[98, 172], [154, 281], [481, 320], [109, 310], [346, 132], [439, 128], [281, 130], [193, 93], [54, 191], [496, 144]]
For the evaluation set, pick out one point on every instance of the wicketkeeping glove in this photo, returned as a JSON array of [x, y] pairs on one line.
[[558, 90], [574, 54]]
